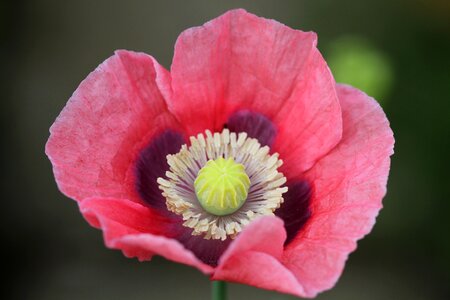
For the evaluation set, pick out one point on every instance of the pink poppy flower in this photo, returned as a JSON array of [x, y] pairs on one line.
[[307, 159]]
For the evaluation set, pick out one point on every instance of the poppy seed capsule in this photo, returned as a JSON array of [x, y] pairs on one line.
[[222, 186]]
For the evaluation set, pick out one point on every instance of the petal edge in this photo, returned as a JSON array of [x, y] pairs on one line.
[[349, 184]]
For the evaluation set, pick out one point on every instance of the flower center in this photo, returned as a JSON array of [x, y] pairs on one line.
[[221, 182], [222, 186]]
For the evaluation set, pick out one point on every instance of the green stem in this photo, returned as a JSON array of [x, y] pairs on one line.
[[219, 290]]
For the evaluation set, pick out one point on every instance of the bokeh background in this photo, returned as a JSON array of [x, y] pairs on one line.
[[396, 50]]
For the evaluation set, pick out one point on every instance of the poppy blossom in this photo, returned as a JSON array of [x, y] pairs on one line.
[[246, 160]]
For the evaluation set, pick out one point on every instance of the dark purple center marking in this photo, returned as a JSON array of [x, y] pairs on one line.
[[295, 210], [152, 163], [255, 124], [208, 251]]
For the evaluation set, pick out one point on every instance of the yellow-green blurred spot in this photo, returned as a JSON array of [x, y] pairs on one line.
[[222, 186], [355, 61]]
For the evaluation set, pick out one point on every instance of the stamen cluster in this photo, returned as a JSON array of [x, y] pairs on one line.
[[265, 193]]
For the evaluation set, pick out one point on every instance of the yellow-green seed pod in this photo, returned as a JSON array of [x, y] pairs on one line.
[[222, 186]]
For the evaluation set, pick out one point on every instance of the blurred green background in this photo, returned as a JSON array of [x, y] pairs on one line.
[[397, 51]]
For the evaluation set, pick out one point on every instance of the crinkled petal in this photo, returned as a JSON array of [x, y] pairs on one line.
[[349, 184], [114, 112], [239, 61], [311, 119], [137, 230], [254, 258]]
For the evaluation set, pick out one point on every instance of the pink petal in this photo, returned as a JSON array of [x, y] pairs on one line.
[[254, 258], [118, 217], [240, 61], [349, 184], [143, 246], [112, 114], [137, 230], [311, 119]]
